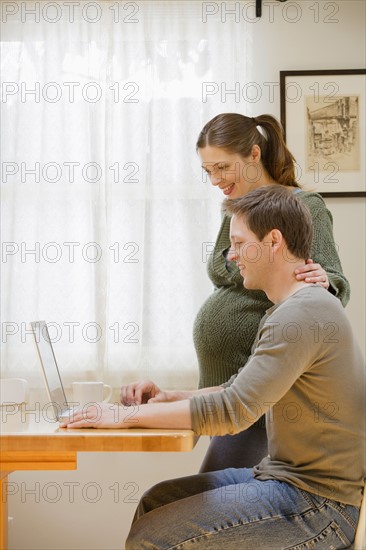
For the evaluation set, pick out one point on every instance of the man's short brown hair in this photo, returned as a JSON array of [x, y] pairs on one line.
[[276, 207]]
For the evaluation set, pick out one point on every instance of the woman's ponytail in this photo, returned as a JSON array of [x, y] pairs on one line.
[[276, 158]]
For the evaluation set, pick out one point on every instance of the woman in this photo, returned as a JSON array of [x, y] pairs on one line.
[[239, 154]]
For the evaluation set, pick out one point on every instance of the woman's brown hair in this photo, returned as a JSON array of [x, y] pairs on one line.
[[237, 133]]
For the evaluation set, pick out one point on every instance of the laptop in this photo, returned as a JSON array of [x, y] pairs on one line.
[[51, 374]]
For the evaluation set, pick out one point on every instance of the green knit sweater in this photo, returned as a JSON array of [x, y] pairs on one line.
[[227, 323]]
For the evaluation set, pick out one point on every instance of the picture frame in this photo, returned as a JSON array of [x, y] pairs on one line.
[[323, 114]]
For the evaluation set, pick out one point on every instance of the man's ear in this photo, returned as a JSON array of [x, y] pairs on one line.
[[276, 239]]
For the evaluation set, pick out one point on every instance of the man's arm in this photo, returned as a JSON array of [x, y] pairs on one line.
[[277, 361], [175, 415]]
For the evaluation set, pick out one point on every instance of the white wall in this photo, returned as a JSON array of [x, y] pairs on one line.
[[336, 41], [277, 45]]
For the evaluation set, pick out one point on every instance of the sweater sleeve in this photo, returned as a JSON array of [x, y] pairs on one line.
[[324, 249], [271, 370]]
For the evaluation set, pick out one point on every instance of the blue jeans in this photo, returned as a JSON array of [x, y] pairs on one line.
[[230, 509]]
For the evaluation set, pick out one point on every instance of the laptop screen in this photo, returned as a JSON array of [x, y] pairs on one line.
[[51, 373]]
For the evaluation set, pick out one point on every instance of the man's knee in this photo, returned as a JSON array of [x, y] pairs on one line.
[[152, 498]]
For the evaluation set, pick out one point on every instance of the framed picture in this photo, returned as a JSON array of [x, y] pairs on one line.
[[323, 114]]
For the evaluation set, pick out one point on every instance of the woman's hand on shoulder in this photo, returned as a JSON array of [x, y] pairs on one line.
[[312, 273]]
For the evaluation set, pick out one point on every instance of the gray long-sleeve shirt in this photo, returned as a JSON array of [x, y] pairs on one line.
[[307, 373]]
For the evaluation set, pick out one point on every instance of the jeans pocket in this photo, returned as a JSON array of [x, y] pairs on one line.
[[331, 538]]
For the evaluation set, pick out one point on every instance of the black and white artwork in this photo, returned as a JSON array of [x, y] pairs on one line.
[[323, 115], [333, 132]]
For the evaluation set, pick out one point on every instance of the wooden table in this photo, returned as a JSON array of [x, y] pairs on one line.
[[28, 444]]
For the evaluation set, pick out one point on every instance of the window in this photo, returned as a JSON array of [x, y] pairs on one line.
[[107, 218]]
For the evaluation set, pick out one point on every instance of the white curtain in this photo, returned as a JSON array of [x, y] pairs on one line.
[[107, 219]]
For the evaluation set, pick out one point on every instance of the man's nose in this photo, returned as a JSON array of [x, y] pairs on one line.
[[231, 255]]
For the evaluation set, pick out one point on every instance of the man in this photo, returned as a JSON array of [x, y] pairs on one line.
[[305, 373]]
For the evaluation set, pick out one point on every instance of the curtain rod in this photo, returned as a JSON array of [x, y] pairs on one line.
[[258, 7]]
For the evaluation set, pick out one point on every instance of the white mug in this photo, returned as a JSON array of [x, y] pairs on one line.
[[90, 392]]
